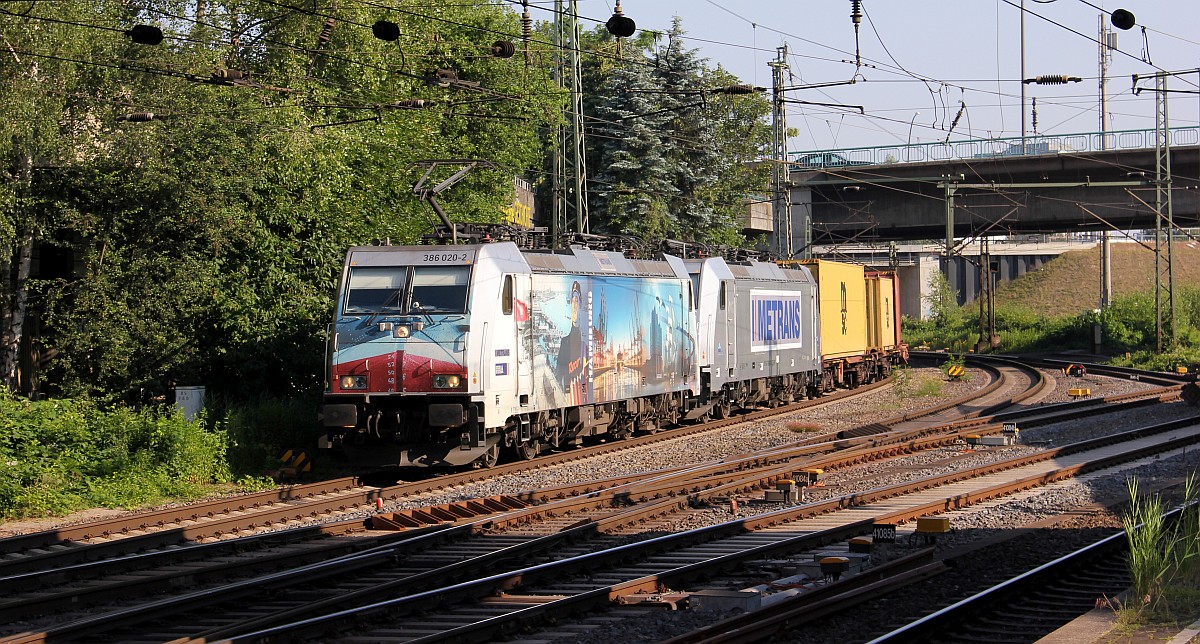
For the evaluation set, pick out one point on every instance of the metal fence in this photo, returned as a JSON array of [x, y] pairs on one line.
[[990, 148]]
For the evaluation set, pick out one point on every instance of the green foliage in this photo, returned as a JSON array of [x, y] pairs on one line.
[[943, 301], [1128, 325], [207, 243], [260, 430], [671, 158], [905, 384], [1163, 557], [64, 455]]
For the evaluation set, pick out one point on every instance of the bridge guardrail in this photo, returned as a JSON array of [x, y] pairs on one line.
[[989, 148]]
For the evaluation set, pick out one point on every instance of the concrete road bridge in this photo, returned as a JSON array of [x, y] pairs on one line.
[[1033, 199], [971, 189]]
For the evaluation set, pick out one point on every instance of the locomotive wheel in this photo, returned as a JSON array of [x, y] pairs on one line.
[[527, 450], [722, 410], [488, 459]]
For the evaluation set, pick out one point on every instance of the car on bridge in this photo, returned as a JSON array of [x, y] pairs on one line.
[[824, 160]]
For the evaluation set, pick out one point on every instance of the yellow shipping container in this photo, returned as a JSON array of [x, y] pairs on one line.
[[843, 302], [881, 312]]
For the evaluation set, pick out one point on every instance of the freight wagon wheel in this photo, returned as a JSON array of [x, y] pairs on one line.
[[527, 450], [488, 459]]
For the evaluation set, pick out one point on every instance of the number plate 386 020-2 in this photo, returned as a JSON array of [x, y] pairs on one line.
[[446, 257]]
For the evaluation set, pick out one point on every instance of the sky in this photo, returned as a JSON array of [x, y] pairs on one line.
[[926, 64]]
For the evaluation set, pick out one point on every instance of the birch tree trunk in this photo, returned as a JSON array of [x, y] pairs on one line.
[[16, 295]]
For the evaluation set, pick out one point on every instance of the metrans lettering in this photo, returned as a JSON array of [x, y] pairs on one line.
[[776, 320]]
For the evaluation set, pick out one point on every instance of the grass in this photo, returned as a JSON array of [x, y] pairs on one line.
[[1070, 283], [906, 384], [1164, 559], [1052, 310]]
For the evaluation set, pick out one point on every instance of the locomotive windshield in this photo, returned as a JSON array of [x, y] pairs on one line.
[[399, 289], [440, 289], [376, 289]]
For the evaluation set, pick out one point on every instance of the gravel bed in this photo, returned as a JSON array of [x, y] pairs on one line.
[[826, 419], [981, 524], [972, 525], [973, 572]]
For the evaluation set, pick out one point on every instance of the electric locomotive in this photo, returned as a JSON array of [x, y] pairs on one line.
[[447, 355]]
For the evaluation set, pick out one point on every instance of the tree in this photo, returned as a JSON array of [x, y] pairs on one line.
[[632, 184], [671, 157], [208, 237], [692, 155]]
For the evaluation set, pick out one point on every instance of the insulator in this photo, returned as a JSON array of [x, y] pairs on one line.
[[738, 89], [326, 32], [1123, 19], [856, 11], [137, 117], [1052, 79], [410, 102], [385, 30], [145, 34], [503, 49], [230, 74], [526, 25], [621, 26]]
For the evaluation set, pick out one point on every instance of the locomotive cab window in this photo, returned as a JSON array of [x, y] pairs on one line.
[[506, 296], [376, 290], [440, 289]]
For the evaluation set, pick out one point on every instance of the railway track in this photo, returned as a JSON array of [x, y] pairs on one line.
[[663, 493], [675, 562], [379, 586], [225, 518], [174, 526], [1032, 604]]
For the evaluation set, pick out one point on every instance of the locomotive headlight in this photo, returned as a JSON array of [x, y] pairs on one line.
[[401, 331], [354, 382], [446, 381]]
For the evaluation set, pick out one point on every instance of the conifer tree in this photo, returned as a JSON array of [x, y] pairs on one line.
[[632, 186]]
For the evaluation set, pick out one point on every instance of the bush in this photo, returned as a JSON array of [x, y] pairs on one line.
[[1128, 325], [65, 455], [906, 384], [261, 430]]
